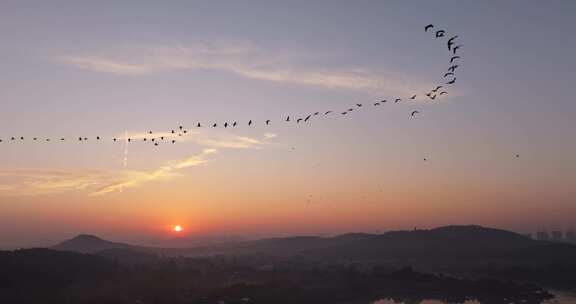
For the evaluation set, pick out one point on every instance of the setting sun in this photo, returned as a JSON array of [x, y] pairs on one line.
[[177, 228]]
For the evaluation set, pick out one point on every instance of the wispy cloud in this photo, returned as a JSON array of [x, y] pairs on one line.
[[245, 60], [34, 182], [137, 178]]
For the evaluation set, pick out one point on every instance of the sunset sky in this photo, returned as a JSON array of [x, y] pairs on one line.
[[107, 68]]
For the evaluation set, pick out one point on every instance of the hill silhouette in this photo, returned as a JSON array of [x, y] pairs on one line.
[[86, 243]]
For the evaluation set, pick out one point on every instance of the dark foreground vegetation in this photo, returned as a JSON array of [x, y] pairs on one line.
[[50, 276]]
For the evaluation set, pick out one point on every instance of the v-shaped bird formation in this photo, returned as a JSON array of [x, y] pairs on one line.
[[432, 95]]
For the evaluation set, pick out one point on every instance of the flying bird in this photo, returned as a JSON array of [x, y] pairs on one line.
[[440, 33], [429, 26], [150, 132], [298, 120], [437, 88], [97, 137], [225, 125], [448, 74], [452, 68], [180, 127], [383, 100], [454, 58], [234, 124], [397, 100], [376, 103], [250, 123], [173, 141], [214, 125], [359, 105], [307, 118], [456, 48], [288, 118], [414, 113], [199, 125], [327, 112], [344, 113], [452, 81], [413, 97], [268, 121], [443, 92], [450, 42], [316, 113], [433, 97]]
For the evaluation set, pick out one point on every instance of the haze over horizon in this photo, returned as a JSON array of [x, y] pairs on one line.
[[100, 69]]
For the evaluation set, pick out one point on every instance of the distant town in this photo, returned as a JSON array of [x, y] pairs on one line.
[[567, 236]]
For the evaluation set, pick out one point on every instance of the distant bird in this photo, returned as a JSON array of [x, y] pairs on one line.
[[327, 112], [517, 155], [452, 81], [156, 144], [437, 88], [443, 92], [425, 159], [21, 137], [180, 127], [79, 138], [199, 125], [234, 124], [35, 138], [376, 103], [185, 131], [307, 118], [429, 94], [47, 139], [316, 113], [359, 105], [214, 125], [161, 137], [144, 139], [298, 120], [414, 113], [267, 121], [397, 100], [97, 137], [454, 58], [225, 125], [250, 123], [350, 110], [433, 97], [129, 139], [62, 139], [429, 26], [413, 97], [383, 101], [114, 139], [153, 139], [448, 74], [452, 68], [440, 33], [450, 42], [456, 48], [172, 132], [173, 141], [344, 113], [12, 138], [150, 132], [288, 118]]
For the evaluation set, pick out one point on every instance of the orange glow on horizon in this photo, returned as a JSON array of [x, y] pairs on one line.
[[177, 228]]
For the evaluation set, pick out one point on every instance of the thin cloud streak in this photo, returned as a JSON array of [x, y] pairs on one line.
[[245, 60]]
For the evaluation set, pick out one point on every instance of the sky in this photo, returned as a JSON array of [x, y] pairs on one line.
[[111, 68]]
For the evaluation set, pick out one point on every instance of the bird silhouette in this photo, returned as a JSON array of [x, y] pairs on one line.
[[344, 113], [376, 103], [452, 81], [250, 123], [452, 68], [413, 97], [161, 137], [443, 92], [129, 139], [454, 49], [173, 141], [327, 112], [114, 139], [298, 120], [172, 132], [517, 155], [437, 88], [225, 125], [199, 125], [414, 113], [316, 113], [359, 105], [62, 139], [433, 97], [440, 33], [429, 26], [97, 137], [397, 100], [450, 42], [150, 132], [350, 110], [383, 101], [448, 74], [267, 121], [287, 118], [214, 125], [307, 118], [153, 139], [234, 124], [180, 127], [155, 144], [35, 138], [144, 139], [454, 58]]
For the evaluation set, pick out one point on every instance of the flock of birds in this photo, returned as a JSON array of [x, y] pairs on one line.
[[435, 93]]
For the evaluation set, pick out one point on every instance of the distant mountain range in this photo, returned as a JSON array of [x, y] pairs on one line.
[[449, 243]]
